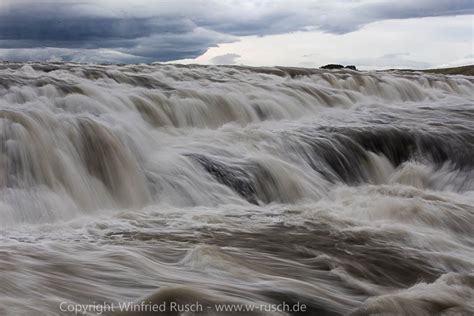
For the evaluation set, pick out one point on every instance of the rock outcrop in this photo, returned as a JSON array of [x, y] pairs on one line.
[[338, 66]]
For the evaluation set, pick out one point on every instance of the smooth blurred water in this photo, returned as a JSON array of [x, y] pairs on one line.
[[349, 192]]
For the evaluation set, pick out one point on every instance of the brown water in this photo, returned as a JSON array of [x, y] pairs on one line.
[[233, 187]]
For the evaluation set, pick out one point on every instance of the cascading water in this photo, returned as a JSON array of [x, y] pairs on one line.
[[345, 191]]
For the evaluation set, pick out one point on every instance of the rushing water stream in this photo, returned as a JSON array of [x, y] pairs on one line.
[[348, 192]]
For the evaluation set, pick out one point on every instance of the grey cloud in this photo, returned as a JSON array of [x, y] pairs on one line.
[[165, 47], [226, 59], [415, 9], [354, 15], [163, 31], [395, 55], [70, 55]]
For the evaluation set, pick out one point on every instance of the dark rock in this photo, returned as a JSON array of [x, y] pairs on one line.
[[332, 66], [338, 66]]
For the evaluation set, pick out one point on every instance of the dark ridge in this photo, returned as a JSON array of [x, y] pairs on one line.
[[234, 177]]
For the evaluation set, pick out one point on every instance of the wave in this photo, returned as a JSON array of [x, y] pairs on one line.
[[346, 191], [90, 137]]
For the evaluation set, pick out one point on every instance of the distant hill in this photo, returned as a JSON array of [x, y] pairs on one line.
[[463, 70]]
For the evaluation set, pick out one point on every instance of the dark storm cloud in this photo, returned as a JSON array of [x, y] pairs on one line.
[[50, 21], [345, 21], [162, 31]]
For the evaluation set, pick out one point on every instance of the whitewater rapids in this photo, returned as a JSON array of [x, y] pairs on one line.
[[349, 192]]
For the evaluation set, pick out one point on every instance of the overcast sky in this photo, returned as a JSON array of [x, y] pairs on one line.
[[367, 33]]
